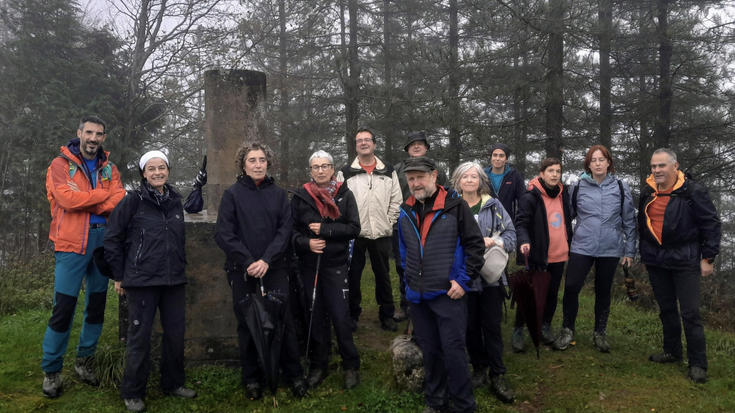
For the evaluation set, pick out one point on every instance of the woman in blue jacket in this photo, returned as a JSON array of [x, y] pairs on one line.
[[604, 232], [144, 244], [485, 301]]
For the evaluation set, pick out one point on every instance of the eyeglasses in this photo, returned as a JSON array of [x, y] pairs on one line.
[[324, 167], [367, 140]]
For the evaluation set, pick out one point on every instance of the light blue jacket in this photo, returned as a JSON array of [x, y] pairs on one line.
[[601, 230], [494, 218]]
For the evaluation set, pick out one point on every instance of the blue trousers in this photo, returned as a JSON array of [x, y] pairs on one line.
[[71, 270], [440, 326]]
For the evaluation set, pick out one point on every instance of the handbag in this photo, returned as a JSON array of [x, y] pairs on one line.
[[496, 260]]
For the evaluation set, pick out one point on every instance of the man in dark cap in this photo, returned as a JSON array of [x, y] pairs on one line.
[[507, 183], [441, 250], [416, 145]]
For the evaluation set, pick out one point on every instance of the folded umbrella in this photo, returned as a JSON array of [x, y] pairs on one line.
[[529, 287], [194, 202], [265, 315]]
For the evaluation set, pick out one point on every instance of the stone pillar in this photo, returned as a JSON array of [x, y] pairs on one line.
[[234, 112]]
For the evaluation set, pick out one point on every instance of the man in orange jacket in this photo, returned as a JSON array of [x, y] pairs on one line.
[[83, 187]]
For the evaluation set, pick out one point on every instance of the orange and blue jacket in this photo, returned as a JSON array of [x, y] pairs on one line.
[[70, 210]]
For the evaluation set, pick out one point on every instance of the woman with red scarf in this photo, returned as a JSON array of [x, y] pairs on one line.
[[325, 219]]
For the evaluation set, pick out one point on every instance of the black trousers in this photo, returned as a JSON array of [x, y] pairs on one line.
[[440, 326], [556, 270], [379, 250], [332, 297], [670, 286], [274, 280], [484, 338], [142, 305], [577, 270], [399, 269]]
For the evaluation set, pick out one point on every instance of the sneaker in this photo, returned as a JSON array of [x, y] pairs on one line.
[[547, 338], [52, 384], [599, 338], [352, 378], [499, 386], [181, 391], [518, 343], [134, 405], [479, 377], [566, 336], [315, 377], [298, 388], [85, 368], [697, 374], [664, 358], [400, 315], [388, 325], [253, 392]]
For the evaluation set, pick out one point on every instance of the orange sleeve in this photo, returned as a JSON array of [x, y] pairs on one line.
[[57, 187], [117, 193]]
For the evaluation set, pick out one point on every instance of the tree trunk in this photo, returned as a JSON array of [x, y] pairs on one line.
[[350, 79], [605, 24], [283, 104], [662, 136], [391, 135], [555, 81], [455, 143]]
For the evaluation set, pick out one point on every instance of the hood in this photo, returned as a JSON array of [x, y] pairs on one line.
[[536, 183], [680, 178]]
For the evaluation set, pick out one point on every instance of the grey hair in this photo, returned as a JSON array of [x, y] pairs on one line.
[[462, 169], [321, 154], [667, 151]]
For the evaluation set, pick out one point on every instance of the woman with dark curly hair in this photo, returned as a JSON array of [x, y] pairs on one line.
[[254, 230]]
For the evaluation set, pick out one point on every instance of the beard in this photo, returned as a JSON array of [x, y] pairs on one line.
[[422, 194]]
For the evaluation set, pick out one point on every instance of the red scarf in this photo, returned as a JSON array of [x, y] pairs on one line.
[[323, 199]]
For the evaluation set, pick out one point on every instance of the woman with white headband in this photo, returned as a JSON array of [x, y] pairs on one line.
[[144, 244]]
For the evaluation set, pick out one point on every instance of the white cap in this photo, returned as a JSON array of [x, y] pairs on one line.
[[150, 155]]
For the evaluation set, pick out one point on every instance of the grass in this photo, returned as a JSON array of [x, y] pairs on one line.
[[577, 380]]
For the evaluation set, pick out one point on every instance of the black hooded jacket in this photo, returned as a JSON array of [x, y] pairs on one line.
[[253, 223], [145, 241], [337, 233]]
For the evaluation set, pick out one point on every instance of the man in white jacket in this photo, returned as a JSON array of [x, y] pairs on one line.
[[378, 195]]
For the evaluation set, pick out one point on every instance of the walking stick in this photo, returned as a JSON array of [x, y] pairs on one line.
[[630, 284], [313, 300]]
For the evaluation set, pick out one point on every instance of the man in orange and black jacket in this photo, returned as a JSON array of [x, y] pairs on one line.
[[680, 238]]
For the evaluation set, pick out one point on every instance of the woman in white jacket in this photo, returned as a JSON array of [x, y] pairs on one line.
[[604, 232]]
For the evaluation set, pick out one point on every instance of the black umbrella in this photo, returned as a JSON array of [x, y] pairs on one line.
[[529, 289], [265, 315], [194, 202]]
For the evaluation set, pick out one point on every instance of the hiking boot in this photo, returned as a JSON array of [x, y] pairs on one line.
[[566, 336], [664, 358], [547, 338], [430, 409], [499, 386], [388, 325], [181, 391], [85, 368], [298, 388], [315, 377], [253, 392], [52, 385], [134, 405], [518, 342], [479, 377], [400, 315], [599, 338], [352, 378], [697, 374]]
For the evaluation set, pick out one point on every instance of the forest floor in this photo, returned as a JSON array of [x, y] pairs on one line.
[[576, 380]]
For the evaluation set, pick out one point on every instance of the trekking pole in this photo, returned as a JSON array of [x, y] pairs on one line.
[[313, 300], [630, 284]]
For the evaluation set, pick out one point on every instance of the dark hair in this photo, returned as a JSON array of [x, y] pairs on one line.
[[248, 147], [365, 129], [92, 119], [546, 163], [605, 152]]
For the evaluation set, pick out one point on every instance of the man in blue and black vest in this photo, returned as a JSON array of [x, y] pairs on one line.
[[441, 253]]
